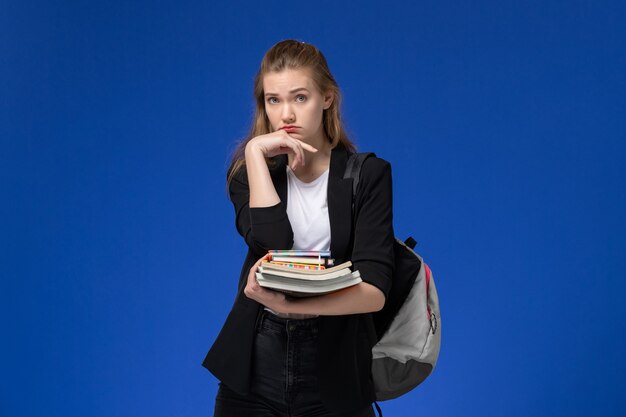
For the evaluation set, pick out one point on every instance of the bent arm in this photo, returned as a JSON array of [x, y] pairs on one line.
[[263, 223], [360, 298], [262, 190]]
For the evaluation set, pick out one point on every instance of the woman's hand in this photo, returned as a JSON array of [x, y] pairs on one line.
[[277, 143], [273, 300]]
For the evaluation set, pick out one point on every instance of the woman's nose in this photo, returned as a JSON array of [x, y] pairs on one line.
[[288, 114]]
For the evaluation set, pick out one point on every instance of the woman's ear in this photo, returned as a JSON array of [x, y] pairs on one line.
[[328, 99]]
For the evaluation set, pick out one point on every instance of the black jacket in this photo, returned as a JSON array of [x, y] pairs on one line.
[[345, 342]]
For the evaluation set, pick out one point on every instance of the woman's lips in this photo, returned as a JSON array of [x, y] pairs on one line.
[[290, 128]]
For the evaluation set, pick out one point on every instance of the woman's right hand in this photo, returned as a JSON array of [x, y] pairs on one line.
[[279, 142]]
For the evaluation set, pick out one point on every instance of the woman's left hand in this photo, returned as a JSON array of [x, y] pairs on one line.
[[273, 300]]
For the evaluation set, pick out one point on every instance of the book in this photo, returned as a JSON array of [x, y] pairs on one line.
[[307, 288], [296, 274], [303, 273], [270, 265], [296, 252], [309, 260], [300, 266], [302, 257]]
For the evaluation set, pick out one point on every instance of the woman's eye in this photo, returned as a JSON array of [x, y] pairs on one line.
[[301, 98], [271, 100]]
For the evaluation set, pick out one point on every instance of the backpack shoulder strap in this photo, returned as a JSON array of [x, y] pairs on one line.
[[353, 169]]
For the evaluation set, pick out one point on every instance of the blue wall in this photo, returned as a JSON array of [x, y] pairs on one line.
[[505, 126]]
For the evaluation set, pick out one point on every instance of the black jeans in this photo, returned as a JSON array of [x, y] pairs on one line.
[[284, 377]]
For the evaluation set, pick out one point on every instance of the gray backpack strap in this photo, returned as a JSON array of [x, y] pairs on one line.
[[353, 170]]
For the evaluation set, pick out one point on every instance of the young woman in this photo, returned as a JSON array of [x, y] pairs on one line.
[[277, 356]]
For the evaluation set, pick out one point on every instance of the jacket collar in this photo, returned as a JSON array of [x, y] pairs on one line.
[[339, 196]]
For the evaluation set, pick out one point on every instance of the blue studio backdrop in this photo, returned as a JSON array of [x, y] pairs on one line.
[[505, 126]]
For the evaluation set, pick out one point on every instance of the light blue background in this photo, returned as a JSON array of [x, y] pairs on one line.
[[504, 123]]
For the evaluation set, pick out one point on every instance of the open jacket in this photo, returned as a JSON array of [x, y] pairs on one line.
[[344, 342]]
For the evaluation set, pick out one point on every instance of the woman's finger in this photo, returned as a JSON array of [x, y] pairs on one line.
[[301, 151], [307, 146], [295, 150], [257, 263], [302, 147], [300, 159], [255, 267]]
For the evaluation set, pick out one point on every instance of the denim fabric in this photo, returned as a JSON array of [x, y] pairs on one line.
[[284, 376]]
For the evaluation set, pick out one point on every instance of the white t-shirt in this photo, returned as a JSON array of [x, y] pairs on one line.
[[307, 209]]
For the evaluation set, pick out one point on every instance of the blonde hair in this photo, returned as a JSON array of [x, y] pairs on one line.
[[292, 54]]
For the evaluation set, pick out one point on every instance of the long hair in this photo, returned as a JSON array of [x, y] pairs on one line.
[[293, 55]]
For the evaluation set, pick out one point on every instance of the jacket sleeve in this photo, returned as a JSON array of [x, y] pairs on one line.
[[373, 253], [263, 228]]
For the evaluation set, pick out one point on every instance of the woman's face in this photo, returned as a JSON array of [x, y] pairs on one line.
[[293, 103]]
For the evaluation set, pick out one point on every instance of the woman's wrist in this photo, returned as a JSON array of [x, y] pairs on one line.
[[275, 301], [253, 149]]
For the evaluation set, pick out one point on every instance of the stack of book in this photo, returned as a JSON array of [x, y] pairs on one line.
[[305, 273]]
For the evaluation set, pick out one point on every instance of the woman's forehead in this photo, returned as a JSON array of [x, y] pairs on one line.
[[288, 80]]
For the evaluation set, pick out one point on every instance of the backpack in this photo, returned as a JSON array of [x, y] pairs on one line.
[[408, 327]]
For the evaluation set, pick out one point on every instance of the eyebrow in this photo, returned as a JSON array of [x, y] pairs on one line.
[[291, 92]]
